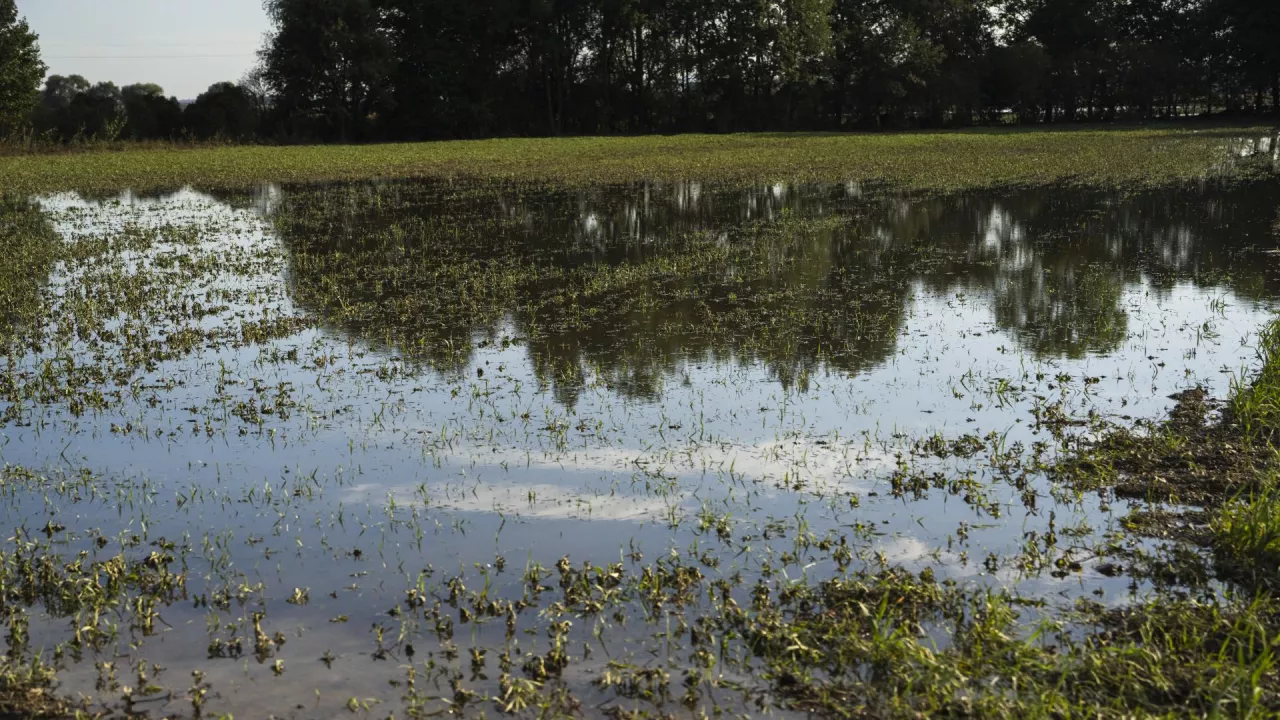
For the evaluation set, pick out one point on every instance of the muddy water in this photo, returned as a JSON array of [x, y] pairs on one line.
[[316, 400]]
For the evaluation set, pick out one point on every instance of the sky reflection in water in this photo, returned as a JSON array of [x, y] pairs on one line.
[[970, 309]]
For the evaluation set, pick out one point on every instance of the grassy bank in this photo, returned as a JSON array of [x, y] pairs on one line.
[[921, 160]]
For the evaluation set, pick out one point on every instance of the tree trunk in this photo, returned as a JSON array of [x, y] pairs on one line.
[[552, 126], [637, 80], [608, 86]]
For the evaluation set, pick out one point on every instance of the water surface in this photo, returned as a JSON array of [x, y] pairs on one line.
[[317, 399]]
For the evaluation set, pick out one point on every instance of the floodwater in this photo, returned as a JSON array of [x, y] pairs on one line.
[[317, 400]]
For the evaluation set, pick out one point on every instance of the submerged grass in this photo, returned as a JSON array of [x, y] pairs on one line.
[[30, 248], [848, 649], [1216, 463], [920, 160]]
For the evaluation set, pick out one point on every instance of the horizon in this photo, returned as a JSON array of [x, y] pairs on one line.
[[184, 46]]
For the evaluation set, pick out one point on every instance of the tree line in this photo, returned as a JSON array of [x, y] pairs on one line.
[[71, 108], [422, 69]]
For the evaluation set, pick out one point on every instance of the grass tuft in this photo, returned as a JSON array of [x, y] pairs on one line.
[[1247, 530], [1256, 407]]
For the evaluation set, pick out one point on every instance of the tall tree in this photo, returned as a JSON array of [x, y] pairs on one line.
[[225, 110], [20, 68], [553, 42], [60, 90], [449, 79], [150, 114], [254, 84], [1249, 50], [797, 37], [422, 69], [98, 112], [329, 63], [881, 64]]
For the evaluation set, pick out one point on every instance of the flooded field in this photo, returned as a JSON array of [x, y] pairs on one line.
[[408, 448]]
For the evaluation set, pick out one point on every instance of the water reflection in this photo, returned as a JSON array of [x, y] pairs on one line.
[[909, 318], [635, 284]]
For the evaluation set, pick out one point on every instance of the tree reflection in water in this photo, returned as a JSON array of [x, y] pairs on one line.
[[633, 284]]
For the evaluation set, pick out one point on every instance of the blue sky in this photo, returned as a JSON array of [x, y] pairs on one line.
[[183, 45]]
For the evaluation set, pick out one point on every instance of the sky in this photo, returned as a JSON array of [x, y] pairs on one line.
[[182, 45]]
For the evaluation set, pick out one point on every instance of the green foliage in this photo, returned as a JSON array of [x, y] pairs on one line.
[[75, 111], [380, 70], [328, 62], [1256, 406], [858, 648], [225, 110], [20, 68], [1247, 531], [60, 90], [150, 114], [358, 69]]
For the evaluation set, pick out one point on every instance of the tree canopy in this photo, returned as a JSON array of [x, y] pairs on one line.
[[446, 68], [224, 110], [20, 68], [351, 70], [348, 69], [72, 108]]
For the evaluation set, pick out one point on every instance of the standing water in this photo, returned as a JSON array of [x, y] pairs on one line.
[[306, 451]]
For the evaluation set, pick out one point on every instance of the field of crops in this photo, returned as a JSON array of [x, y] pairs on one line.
[[922, 160]]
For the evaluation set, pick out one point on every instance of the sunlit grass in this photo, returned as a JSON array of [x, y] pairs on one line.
[[849, 649], [1247, 529], [1256, 406], [922, 160]]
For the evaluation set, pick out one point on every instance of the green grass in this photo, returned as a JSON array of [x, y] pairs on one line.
[[856, 648], [919, 160], [1247, 530], [1256, 407], [1225, 473]]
